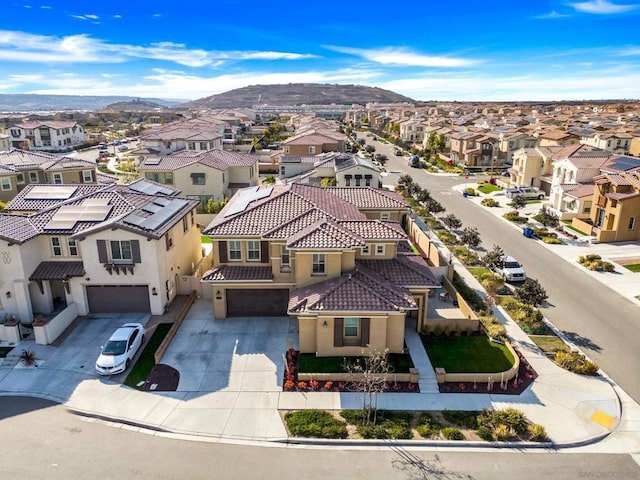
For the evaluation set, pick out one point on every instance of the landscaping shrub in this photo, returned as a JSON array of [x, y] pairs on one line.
[[552, 240], [315, 423], [526, 316], [428, 427], [466, 256], [462, 418], [389, 424], [509, 417], [471, 192], [447, 237], [594, 262], [503, 433], [485, 434], [515, 217], [489, 202], [469, 294], [576, 362], [537, 433], [451, 433]]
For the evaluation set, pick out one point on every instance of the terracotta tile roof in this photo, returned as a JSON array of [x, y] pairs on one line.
[[310, 139], [57, 124], [66, 163], [231, 273], [17, 228], [358, 291], [370, 198], [375, 229], [325, 234], [578, 190], [326, 200], [21, 203], [296, 225], [404, 270], [216, 159], [25, 158], [57, 271]]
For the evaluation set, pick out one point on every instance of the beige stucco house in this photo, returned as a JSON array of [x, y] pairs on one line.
[[334, 258]]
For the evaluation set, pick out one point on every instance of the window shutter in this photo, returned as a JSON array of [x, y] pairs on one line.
[[81, 177], [365, 325], [264, 252], [102, 251], [222, 247], [338, 327], [93, 175], [135, 251]]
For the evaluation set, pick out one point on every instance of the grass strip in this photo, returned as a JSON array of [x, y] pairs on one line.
[[146, 361]]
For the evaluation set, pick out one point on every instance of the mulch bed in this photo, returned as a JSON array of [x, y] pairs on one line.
[[162, 378], [526, 376]]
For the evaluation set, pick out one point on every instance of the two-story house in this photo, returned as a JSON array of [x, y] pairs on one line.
[[345, 169], [46, 135], [329, 257], [313, 143], [614, 142], [121, 248], [203, 175], [5, 142], [555, 138], [464, 148], [533, 167], [193, 134]]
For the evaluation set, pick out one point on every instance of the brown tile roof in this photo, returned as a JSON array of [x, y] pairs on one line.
[[578, 190], [404, 270], [370, 198], [326, 200], [375, 229], [216, 159], [66, 163], [25, 158], [358, 291], [57, 271], [17, 228], [231, 273], [325, 234], [21, 203], [295, 225]]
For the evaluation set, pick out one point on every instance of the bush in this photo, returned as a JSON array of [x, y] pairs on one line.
[[489, 202], [526, 316], [485, 434], [462, 418], [315, 423], [466, 256], [537, 433], [469, 294], [390, 424], [576, 362], [428, 427], [509, 417], [451, 433], [515, 217], [503, 433], [471, 192], [447, 237], [552, 240]]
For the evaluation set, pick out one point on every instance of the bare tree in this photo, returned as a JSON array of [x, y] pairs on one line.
[[373, 371]]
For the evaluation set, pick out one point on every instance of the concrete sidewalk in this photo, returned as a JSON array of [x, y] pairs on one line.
[[575, 410]]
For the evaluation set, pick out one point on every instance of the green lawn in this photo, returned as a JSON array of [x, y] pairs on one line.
[[549, 343], [309, 363], [146, 362], [467, 354], [531, 202], [634, 267], [574, 229], [488, 188], [205, 239]]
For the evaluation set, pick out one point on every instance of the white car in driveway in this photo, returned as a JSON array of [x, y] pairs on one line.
[[120, 349], [529, 193]]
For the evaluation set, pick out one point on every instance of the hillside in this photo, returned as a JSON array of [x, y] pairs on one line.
[[297, 94], [136, 105], [27, 102]]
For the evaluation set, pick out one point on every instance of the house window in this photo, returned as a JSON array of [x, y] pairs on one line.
[[318, 264], [57, 178], [191, 145], [20, 179], [365, 250], [380, 249], [33, 177], [193, 217], [203, 146], [384, 215], [168, 238], [56, 247], [185, 224], [72, 245], [253, 250], [285, 259], [351, 331], [312, 150], [235, 251], [632, 223], [197, 178], [5, 183], [587, 206], [121, 251], [87, 176]]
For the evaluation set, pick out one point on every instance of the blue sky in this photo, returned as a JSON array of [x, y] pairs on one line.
[[452, 50]]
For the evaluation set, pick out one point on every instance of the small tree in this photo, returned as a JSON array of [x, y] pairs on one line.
[[547, 218], [382, 160], [434, 206], [328, 182], [403, 182], [531, 292], [373, 371], [451, 221], [518, 203], [370, 149], [493, 258], [471, 237], [423, 195]]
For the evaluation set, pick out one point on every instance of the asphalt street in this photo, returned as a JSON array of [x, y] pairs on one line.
[[602, 323]]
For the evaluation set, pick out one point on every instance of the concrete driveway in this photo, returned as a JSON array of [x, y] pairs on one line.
[[235, 355]]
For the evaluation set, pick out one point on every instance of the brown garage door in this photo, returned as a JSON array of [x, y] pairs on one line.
[[118, 298], [257, 303]]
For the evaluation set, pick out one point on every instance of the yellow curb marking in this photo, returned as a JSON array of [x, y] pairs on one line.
[[603, 419]]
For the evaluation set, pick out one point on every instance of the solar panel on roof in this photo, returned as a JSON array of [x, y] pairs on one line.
[[50, 192], [134, 219], [152, 161], [151, 207], [246, 197], [60, 225], [150, 188], [624, 163], [96, 201], [162, 201]]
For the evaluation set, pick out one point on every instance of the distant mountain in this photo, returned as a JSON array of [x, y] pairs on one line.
[[136, 105], [297, 94], [27, 102]]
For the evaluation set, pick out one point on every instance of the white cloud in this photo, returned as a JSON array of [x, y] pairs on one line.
[[552, 15], [26, 47], [603, 7], [403, 56], [46, 7]]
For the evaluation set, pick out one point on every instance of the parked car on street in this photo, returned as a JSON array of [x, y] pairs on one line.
[[117, 354], [529, 193], [511, 270], [414, 161], [398, 153]]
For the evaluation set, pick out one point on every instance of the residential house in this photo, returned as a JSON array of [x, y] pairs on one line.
[[47, 135], [618, 143], [5, 142], [465, 149], [554, 138], [329, 257], [121, 248], [634, 145], [203, 175], [533, 167], [195, 134], [345, 169], [412, 131], [313, 143], [616, 201], [511, 141], [573, 166]]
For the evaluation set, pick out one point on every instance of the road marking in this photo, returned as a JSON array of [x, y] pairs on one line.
[[603, 419]]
